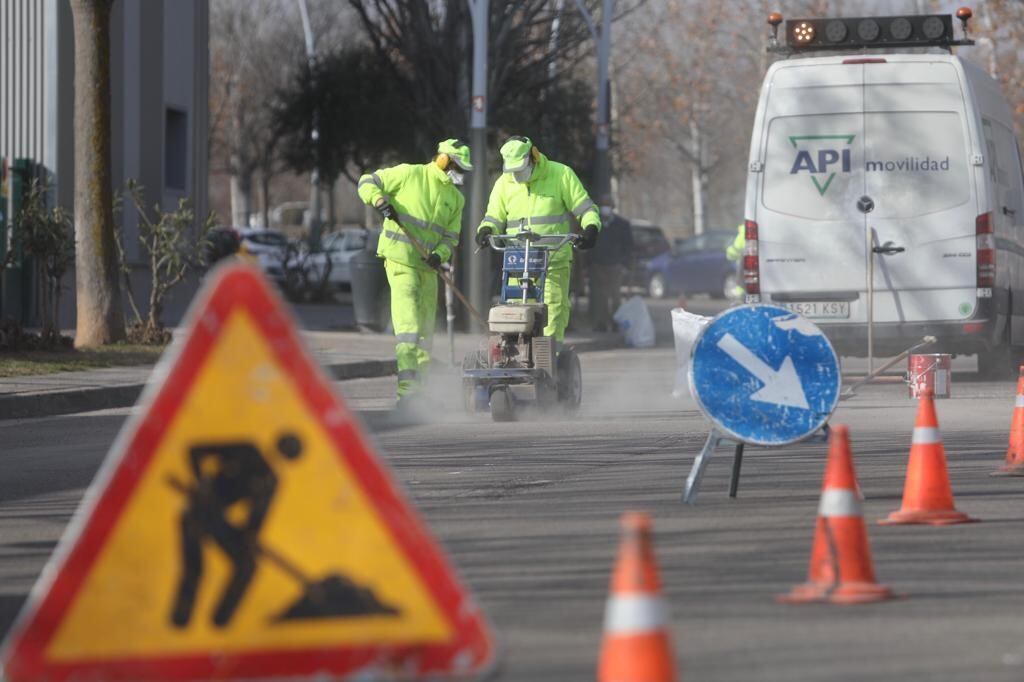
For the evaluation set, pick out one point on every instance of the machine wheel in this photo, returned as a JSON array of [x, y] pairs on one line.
[[472, 360], [656, 286], [503, 406], [570, 380]]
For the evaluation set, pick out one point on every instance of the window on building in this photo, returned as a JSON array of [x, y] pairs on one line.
[[175, 149]]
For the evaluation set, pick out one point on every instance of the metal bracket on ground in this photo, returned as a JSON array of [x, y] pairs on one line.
[[701, 462]]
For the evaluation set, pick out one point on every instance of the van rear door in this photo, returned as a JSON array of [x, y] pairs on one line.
[[917, 174], [811, 234]]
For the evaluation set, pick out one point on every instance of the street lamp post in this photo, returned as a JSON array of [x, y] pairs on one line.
[[314, 135], [476, 265], [602, 140]]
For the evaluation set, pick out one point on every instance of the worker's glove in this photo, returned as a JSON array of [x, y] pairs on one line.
[[433, 260], [387, 210], [481, 237], [588, 239]]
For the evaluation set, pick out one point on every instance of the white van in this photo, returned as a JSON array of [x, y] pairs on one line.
[[915, 152]]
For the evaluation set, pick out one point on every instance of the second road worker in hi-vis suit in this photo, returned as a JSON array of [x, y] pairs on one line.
[[536, 194], [426, 200]]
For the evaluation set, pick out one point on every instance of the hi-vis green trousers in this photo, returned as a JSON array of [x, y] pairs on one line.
[[413, 311]]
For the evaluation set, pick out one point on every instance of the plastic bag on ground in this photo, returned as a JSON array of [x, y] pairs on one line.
[[686, 326], [635, 323]]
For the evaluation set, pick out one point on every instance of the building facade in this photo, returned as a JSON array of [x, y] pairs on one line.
[[159, 108]]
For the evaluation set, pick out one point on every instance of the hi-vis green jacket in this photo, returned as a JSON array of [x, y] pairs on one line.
[[543, 205], [428, 204]]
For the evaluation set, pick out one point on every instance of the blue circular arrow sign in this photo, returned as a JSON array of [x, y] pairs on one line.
[[765, 375]]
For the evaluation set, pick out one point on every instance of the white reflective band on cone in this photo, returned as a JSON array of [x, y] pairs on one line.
[[924, 435], [634, 614], [839, 502], [1020, 401]]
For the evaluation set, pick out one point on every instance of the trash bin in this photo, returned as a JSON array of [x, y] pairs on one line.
[[370, 294]]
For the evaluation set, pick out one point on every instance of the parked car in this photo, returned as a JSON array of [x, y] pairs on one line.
[[649, 241], [336, 250], [269, 247], [696, 265]]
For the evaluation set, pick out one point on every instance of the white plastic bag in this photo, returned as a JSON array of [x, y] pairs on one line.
[[635, 323], [686, 327]]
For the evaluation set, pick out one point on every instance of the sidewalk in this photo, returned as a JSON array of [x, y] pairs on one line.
[[343, 354]]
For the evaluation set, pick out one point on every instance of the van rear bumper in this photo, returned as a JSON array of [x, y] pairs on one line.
[[964, 337]]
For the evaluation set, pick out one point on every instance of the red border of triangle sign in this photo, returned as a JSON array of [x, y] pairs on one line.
[[471, 651]]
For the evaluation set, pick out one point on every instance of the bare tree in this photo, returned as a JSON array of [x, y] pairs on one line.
[[537, 84], [252, 46], [688, 89], [1002, 23], [100, 318]]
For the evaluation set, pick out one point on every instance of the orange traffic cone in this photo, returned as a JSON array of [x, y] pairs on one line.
[[1015, 453], [840, 571], [927, 496], [636, 645]]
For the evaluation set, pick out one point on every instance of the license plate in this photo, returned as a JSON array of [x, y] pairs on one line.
[[820, 309]]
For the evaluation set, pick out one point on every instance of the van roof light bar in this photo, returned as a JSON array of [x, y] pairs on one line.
[[861, 33]]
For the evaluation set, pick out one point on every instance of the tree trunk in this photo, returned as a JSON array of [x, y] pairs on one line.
[[265, 197], [241, 199], [332, 217], [100, 318], [698, 177]]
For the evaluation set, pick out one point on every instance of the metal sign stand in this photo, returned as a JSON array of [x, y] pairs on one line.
[[714, 439]]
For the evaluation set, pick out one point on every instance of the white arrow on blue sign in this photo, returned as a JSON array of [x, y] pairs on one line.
[[765, 375]]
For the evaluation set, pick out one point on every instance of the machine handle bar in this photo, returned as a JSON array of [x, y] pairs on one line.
[[541, 242]]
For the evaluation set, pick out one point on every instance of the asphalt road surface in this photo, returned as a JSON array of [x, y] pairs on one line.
[[529, 512]]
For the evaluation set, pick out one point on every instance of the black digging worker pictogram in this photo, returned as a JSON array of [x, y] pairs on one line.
[[228, 475]]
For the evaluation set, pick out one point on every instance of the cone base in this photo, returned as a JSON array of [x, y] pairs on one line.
[[1015, 469], [637, 658], [847, 593], [941, 517]]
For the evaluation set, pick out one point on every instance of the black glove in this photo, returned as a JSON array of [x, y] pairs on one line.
[[481, 237], [387, 210], [588, 240], [433, 260]]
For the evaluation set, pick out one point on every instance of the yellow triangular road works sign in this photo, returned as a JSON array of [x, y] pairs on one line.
[[242, 527]]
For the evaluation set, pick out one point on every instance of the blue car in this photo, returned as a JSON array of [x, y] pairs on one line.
[[696, 265]]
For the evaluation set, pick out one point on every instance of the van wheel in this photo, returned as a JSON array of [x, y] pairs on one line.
[[656, 287]]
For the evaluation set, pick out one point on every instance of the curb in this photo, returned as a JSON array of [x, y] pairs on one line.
[[54, 403]]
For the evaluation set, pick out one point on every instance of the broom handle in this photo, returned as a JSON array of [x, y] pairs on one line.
[[274, 558], [444, 275]]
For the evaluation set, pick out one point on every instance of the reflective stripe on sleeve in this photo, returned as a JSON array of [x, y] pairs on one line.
[[839, 502], [634, 614], [493, 221], [412, 338], [924, 435], [583, 208], [371, 179], [407, 375]]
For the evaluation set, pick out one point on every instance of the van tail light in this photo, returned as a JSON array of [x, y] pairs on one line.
[[986, 255], [751, 264]]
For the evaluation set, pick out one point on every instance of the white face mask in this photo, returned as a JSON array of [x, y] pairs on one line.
[[457, 177], [524, 175]]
